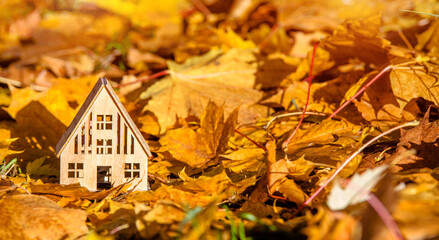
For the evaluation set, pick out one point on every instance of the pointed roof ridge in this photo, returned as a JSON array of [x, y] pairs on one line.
[[100, 84]]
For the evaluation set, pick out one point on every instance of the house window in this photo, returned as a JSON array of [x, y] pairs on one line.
[[104, 122], [132, 170], [76, 170], [109, 149], [104, 146]]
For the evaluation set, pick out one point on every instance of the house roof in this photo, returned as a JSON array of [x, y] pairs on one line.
[[99, 86]]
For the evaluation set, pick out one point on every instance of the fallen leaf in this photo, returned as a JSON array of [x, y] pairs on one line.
[[224, 78], [37, 168], [413, 83], [423, 138], [321, 133], [356, 191], [196, 148], [246, 159], [36, 217]]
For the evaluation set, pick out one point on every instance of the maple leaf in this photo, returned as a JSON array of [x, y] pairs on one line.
[[321, 133], [196, 148], [37, 168], [413, 83], [224, 78], [424, 139], [358, 39]]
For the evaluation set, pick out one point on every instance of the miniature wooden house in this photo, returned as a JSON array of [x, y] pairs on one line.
[[102, 147]]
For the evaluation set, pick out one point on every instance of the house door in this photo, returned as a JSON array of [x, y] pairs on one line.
[[103, 177]]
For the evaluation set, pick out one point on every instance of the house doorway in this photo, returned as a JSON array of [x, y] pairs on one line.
[[103, 177]]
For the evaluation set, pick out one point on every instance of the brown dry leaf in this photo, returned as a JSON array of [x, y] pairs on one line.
[[201, 224], [224, 78], [358, 39], [413, 83], [326, 224], [36, 217], [300, 169], [196, 148], [424, 139], [278, 182], [322, 133], [428, 40], [74, 190], [141, 60], [379, 105], [245, 159], [159, 220], [416, 211]]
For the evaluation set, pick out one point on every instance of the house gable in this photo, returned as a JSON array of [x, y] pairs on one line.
[[80, 118]]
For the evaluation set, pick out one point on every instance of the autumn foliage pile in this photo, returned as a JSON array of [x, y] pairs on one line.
[[217, 88]]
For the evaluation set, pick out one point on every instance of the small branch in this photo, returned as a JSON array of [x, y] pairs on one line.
[[361, 90], [285, 144], [390, 67], [145, 78], [348, 160], [158, 178], [201, 7], [381, 210], [255, 143], [269, 36], [405, 40], [292, 114]]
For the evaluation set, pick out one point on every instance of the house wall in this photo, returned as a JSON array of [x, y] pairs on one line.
[[92, 154]]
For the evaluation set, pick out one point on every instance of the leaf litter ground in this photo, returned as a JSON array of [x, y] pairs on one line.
[[217, 89]]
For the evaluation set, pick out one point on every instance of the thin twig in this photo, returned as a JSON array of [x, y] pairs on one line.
[[291, 114], [255, 143], [285, 144], [145, 78], [159, 178], [405, 40], [201, 7], [348, 160], [388, 68], [381, 210], [269, 36]]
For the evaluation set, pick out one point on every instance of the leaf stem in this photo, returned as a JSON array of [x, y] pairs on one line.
[[390, 67], [146, 78], [291, 114], [348, 160], [268, 37], [382, 212], [361, 90], [285, 144], [255, 143]]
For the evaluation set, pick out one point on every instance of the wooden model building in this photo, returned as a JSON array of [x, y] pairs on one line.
[[102, 147]]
